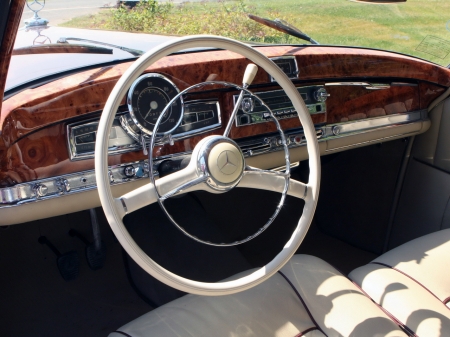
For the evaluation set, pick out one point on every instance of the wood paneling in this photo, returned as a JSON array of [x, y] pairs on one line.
[[428, 93], [33, 121], [348, 103], [9, 38]]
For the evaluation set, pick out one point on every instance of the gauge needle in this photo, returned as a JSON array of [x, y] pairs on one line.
[[153, 105]]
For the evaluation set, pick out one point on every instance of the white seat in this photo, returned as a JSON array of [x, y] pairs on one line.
[[412, 283], [308, 298]]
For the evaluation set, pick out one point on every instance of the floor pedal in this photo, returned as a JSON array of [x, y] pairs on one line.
[[68, 263], [95, 251]]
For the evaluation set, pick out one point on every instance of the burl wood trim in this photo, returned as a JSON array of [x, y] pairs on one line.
[[428, 93], [61, 49], [33, 121], [43, 154], [9, 38], [315, 63], [347, 103]]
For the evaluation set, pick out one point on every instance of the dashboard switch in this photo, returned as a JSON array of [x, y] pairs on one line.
[[40, 190], [111, 176], [62, 185], [129, 171]]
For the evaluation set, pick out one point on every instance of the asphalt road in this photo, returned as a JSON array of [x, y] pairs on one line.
[[58, 11]]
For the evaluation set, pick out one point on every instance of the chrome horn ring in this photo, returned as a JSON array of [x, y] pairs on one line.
[[206, 172]]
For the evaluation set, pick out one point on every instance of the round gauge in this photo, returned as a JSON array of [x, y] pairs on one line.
[[147, 98]]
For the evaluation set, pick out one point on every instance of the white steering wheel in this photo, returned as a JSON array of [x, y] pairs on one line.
[[208, 150]]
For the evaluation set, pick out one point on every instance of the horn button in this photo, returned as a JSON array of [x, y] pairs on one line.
[[225, 163]]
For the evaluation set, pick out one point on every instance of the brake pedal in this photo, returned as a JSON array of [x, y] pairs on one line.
[[95, 251], [68, 263]]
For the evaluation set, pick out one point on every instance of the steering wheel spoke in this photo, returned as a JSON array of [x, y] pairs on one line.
[[272, 181], [183, 181]]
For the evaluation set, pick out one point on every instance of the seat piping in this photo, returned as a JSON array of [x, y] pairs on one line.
[[123, 333], [413, 279], [306, 331], [304, 304], [402, 326]]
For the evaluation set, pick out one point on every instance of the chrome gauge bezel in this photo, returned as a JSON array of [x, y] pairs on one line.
[[135, 120]]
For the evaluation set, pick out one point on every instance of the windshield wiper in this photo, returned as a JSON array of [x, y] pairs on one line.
[[53, 48], [134, 52], [283, 27]]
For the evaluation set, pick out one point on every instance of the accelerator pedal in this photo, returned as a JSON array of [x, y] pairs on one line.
[[68, 263]]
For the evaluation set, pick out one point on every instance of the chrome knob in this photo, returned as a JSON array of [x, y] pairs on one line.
[[336, 130], [247, 105], [321, 95], [129, 171], [111, 176], [62, 185], [40, 190]]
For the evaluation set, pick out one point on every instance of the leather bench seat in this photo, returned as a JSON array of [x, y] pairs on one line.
[[308, 297], [412, 283]]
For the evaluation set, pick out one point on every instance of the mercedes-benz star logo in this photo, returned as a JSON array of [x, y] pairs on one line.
[[227, 162], [35, 5]]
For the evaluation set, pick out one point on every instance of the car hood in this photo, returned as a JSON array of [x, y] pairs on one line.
[[24, 68]]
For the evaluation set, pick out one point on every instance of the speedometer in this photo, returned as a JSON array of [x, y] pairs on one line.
[[147, 98]]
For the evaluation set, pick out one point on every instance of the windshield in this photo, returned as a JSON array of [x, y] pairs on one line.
[[419, 28]]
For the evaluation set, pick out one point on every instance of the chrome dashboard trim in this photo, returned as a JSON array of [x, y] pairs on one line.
[[73, 155], [85, 180], [268, 144]]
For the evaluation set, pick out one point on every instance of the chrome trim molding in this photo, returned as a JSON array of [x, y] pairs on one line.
[[73, 183], [295, 138], [48, 188], [133, 143], [127, 146]]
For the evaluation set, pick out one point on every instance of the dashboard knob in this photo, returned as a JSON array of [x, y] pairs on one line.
[[40, 190], [247, 105], [336, 130], [129, 171], [297, 139], [62, 185], [111, 176], [321, 95]]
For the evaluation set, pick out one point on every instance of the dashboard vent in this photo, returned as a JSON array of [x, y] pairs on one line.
[[288, 64]]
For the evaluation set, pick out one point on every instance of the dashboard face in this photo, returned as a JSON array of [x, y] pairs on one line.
[[147, 100], [354, 96]]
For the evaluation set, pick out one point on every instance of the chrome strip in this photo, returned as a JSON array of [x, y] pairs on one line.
[[359, 126], [79, 182], [367, 85], [268, 144], [124, 205], [85, 180]]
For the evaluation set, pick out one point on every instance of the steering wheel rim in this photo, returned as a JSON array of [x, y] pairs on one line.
[[111, 205]]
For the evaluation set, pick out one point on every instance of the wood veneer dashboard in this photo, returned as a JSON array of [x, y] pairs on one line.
[[33, 142]]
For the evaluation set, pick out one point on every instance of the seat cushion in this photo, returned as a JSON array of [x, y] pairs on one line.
[[426, 260], [422, 313], [412, 283], [308, 298]]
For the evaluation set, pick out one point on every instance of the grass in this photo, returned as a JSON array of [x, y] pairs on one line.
[[399, 27]]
